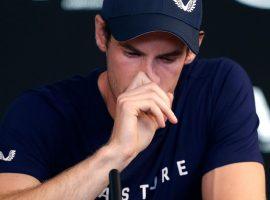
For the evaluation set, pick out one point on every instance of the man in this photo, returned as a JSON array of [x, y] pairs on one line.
[[175, 125]]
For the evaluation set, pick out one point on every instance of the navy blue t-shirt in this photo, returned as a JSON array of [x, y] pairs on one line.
[[51, 128]]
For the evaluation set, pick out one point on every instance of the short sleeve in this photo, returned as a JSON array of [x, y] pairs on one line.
[[26, 133], [233, 133]]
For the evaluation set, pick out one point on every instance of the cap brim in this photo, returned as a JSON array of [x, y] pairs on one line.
[[129, 27]]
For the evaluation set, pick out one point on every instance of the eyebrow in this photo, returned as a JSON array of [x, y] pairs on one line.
[[132, 48]]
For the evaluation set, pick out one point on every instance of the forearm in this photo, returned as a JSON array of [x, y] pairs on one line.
[[86, 180], [243, 180]]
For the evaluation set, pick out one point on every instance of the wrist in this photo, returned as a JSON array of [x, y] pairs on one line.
[[119, 159]]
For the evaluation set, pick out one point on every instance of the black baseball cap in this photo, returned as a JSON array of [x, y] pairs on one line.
[[128, 19]]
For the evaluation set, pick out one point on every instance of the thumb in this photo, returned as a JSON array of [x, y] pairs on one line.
[[140, 79]]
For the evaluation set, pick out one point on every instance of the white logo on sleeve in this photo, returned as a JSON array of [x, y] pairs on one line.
[[188, 8], [10, 156]]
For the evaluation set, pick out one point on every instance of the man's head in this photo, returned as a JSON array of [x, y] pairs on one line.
[[158, 51]]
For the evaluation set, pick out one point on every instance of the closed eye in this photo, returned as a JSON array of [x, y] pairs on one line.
[[131, 54], [167, 60]]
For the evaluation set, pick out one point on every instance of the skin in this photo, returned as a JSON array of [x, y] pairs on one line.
[[157, 58], [138, 91], [244, 180], [143, 54]]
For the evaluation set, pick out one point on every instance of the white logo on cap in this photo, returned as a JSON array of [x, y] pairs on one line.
[[188, 8], [10, 157]]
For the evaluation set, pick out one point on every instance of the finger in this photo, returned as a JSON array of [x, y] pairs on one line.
[[158, 101], [140, 79], [148, 106], [171, 97], [166, 109], [150, 87]]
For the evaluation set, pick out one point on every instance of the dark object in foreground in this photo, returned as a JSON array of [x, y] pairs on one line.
[[115, 185]]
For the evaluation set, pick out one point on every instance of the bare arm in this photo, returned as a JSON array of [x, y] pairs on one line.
[[86, 180], [235, 182], [140, 111]]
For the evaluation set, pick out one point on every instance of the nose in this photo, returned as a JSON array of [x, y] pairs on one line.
[[149, 68]]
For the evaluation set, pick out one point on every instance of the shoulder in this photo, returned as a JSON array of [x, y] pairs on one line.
[[51, 103], [217, 68], [70, 90], [70, 95], [222, 74]]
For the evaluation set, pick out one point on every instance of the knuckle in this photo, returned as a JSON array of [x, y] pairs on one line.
[[152, 103], [153, 85], [121, 101], [155, 88], [153, 95], [125, 105], [150, 85], [120, 98]]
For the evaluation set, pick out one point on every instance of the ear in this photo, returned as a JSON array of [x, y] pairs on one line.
[[100, 33], [190, 55], [201, 37]]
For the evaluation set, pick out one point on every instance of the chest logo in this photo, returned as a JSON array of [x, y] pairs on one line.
[[189, 7], [10, 156]]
